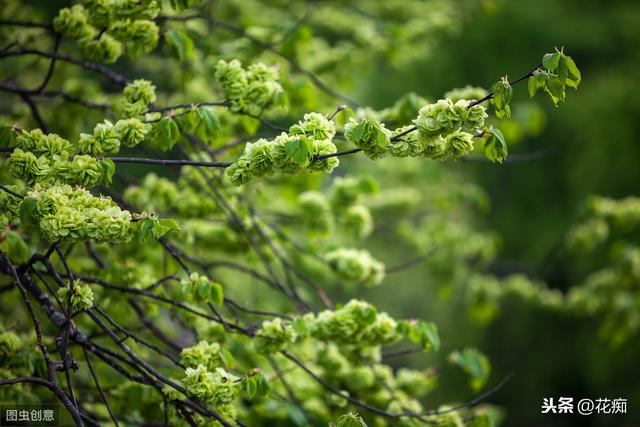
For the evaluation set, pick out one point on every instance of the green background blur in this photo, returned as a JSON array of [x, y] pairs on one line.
[[595, 149]]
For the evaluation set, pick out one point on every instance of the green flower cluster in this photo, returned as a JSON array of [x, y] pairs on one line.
[[314, 126], [65, 213], [50, 159], [107, 137], [357, 220], [210, 355], [9, 209], [601, 216], [103, 28], [416, 383], [449, 244], [137, 96], [9, 343], [288, 153], [443, 127], [587, 235], [131, 132], [369, 135], [81, 296], [408, 145], [320, 213], [41, 144], [357, 322], [612, 293], [216, 388], [158, 194], [485, 293], [624, 213], [60, 169], [103, 140], [315, 212], [355, 266], [349, 369], [249, 90], [273, 336], [203, 289], [443, 132], [348, 191]]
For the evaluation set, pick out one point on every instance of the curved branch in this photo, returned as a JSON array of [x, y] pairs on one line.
[[92, 66]]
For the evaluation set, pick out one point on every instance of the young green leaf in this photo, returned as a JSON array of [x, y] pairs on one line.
[[207, 123], [299, 150], [550, 61], [156, 227], [574, 74], [473, 363], [28, 210], [181, 42], [502, 92], [13, 244], [495, 147], [163, 226], [166, 132], [7, 136]]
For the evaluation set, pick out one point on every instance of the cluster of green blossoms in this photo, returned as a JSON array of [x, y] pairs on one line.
[[218, 388], [343, 206], [18, 358], [485, 294], [9, 209], [315, 212], [249, 90], [602, 215], [81, 296], [361, 375], [288, 153], [355, 266], [203, 289], [210, 355], [370, 135], [107, 137], [443, 132], [207, 379], [355, 322], [274, 335], [137, 96], [50, 159], [65, 213], [612, 293], [444, 128], [103, 28], [162, 195]]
